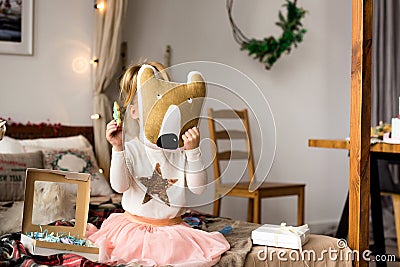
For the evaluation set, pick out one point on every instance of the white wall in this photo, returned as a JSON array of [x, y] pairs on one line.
[[308, 90], [44, 86]]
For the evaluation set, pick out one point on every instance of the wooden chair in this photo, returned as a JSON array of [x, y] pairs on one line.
[[241, 189]]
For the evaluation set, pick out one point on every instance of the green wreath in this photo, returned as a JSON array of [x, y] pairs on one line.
[[59, 155], [269, 49]]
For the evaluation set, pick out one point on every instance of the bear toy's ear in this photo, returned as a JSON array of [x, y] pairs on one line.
[[145, 73], [195, 76]]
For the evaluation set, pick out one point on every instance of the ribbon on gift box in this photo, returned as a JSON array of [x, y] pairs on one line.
[[294, 231]]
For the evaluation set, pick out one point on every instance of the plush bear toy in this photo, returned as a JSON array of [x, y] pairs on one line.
[[168, 109]]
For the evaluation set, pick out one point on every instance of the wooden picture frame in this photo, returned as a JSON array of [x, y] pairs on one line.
[[16, 27]]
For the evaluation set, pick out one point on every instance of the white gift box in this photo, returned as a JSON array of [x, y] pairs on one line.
[[395, 128], [281, 236]]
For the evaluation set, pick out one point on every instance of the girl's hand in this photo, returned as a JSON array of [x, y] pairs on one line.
[[114, 135], [191, 139]]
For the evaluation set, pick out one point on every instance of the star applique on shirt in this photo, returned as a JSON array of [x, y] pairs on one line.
[[157, 185]]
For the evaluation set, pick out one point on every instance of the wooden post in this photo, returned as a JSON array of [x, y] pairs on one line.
[[360, 124]]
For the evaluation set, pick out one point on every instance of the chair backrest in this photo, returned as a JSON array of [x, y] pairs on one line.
[[217, 115]]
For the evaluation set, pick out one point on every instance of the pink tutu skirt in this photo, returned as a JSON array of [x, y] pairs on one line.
[[121, 240]]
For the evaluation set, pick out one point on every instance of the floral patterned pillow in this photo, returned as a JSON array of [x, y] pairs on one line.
[[78, 160]]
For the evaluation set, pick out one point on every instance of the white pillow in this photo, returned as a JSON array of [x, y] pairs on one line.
[[78, 141], [10, 145], [78, 160]]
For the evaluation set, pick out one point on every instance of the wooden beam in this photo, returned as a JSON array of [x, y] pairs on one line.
[[360, 124], [329, 143]]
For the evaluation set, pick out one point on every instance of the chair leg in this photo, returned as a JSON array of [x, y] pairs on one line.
[[300, 207], [217, 206], [396, 209], [250, 210], [256, 209]]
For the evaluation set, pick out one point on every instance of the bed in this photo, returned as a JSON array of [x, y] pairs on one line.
[[242, 252]]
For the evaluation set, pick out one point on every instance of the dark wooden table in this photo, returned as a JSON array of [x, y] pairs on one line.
[[378, 151]]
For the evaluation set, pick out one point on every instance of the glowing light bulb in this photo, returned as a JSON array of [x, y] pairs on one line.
[[100, 6], [80, 65], [94, 61]]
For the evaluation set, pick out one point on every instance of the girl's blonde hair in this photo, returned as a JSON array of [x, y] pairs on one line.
[[128, 82]]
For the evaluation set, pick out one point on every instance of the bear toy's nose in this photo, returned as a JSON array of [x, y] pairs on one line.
[[170, 129], [168, 141]]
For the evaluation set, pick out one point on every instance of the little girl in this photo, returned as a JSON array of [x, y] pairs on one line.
[[151, 231]]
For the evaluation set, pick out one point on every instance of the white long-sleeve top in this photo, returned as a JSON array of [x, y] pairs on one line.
[[127, 167]]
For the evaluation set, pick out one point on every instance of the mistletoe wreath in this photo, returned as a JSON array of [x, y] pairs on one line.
[[269, 49]]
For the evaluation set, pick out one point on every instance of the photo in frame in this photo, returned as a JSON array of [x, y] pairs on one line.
[[16, 27]]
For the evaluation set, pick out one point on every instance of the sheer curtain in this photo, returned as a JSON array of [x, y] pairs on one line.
[[107, 45], [385, 61], [386, 87]]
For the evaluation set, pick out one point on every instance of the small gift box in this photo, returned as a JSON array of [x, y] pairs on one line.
[[281, 236], [52, 239]]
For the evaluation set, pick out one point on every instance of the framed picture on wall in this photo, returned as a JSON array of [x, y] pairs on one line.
[[16, 27]]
